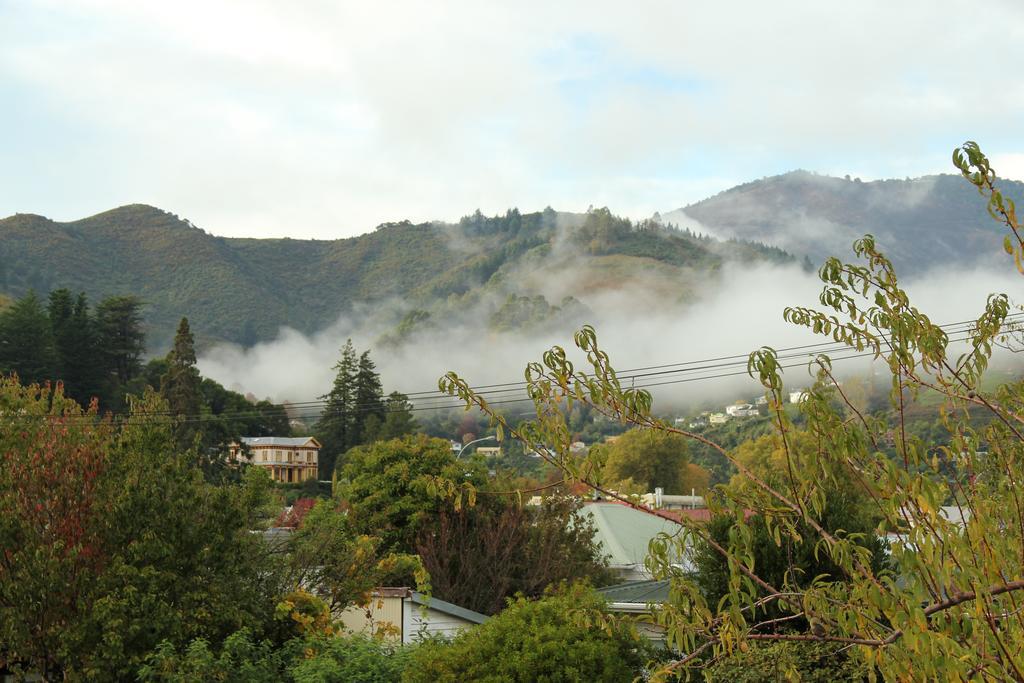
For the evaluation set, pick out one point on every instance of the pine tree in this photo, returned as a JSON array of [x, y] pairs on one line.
[[26, 341], [180, 385], [369, 401], [75, 343], [398, 420], [61, 308], [336, 426], [120, 340]]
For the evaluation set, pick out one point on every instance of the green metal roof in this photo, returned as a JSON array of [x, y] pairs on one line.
[[448, 608], [624, 532], [641, 592]]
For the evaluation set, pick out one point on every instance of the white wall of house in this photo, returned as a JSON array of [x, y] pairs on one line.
[[399, 615], [420, 622]]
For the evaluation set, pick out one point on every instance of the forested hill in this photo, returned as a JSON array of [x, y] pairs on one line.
[[920, 223], [243, 290]]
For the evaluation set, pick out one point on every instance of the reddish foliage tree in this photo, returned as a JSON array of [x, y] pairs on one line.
[[51, 457]]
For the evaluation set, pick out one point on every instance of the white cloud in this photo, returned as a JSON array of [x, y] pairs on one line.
[[323, 119]]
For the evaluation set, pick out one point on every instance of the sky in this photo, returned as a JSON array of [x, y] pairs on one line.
[[323, 119]]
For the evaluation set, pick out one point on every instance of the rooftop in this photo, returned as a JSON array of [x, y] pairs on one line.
[[290, 442], [640, 592], [447, 607], [625, 532]]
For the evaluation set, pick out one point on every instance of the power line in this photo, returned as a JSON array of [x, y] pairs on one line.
[[453, 403], [629, 375]]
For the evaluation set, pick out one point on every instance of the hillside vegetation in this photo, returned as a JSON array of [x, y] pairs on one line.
[[933, 221], [243, 290]]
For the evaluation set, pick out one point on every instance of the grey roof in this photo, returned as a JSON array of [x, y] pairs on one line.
[[624, 532], [448, 608], [641, 592], [279, 441]]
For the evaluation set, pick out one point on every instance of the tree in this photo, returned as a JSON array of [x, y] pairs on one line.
[[336, 428], [480, 556], [50, 461], [341, 565], [26, 341], [232, 416], [785, 559], [369, 410], [398, 420], [243, 659], [650, 459], [788, 661], [557, 638], [948, 605], [120, 339], [389, 487], [74, 337], [113, 541], [180, 385]]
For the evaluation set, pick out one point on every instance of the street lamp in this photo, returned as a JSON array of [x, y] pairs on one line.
[[465, 446]]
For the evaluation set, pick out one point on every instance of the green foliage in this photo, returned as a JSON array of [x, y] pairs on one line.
[[315, 659], [785, 560], [240, 660], [340, 422], [354, 659], [785, 662], [398, 420], [115, 541], [946, 605], [648, 459], [179, 386], [341, 565], [387, 486], [369, 400], [245, 290], [522, 313], [120, 337], [228, 416], [26, 341], [565, 637]]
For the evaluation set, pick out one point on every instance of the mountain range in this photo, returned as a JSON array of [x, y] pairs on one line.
[[933, 221], [533, 266]]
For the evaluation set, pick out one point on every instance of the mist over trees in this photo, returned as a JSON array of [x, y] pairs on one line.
[[943, 602]]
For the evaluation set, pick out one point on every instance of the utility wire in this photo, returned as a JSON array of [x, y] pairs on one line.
[[307, 410]]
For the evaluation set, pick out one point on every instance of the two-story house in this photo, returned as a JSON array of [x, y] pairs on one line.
[[289, 460]]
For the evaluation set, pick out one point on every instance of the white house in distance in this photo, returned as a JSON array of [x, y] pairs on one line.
[[742, 410], [289, 460], [405, 616]]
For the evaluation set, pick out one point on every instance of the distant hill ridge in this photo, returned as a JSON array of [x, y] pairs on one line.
[[933, 221], [243, 290]]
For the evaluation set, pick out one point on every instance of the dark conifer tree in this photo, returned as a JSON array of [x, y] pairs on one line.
[[369, 401], [26, 341], [398, 419], [335, 430], [180, 385], [75, 343], [120, 340]]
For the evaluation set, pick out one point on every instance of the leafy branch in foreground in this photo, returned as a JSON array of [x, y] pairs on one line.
[[946, 604]]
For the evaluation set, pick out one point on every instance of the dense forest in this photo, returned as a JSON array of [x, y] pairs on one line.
[[243, 290], [96, 354]]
